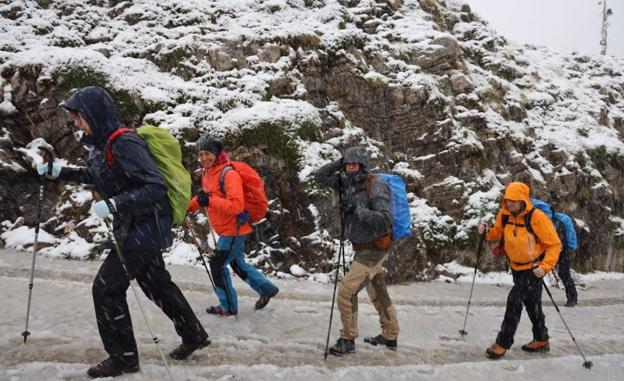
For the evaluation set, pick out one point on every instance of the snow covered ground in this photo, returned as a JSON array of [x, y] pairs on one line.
[[286, 340]]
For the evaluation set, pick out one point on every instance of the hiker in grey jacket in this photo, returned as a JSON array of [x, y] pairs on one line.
[[366, 209]]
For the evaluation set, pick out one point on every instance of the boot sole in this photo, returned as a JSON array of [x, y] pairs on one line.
[[115, 374], [271, 296], [201, 345], [372, 342], [338, 354], [492, 355], [375, 343], [538, 350]]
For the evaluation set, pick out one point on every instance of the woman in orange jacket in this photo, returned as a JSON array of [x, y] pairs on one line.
[[229, 219], [533, 251]]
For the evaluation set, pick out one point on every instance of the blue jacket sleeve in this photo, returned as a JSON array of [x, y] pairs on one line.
[[148, 185], [569, 228]]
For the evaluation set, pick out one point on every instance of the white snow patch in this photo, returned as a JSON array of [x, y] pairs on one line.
[[24, 236], [72, 246]]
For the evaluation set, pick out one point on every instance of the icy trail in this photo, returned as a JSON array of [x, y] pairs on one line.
[[286, 340]]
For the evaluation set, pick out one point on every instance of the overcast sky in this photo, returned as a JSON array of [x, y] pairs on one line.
[[563, 25]]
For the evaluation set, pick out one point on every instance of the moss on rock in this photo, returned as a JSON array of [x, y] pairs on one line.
[[273, 134], [70, 79]]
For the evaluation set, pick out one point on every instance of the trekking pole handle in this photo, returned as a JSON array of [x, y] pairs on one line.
[[48, 156]]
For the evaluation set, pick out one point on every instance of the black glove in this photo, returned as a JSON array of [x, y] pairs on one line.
[[348, 206], [203, 198]]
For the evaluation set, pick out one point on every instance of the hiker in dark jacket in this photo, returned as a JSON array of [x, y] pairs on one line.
[[367, 209], [567, 235], [134, 191]]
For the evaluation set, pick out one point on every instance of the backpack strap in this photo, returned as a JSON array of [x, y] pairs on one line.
[[109, 143], [527, 222], [385, 240], [224, 171], [241, 218], [369, 183]]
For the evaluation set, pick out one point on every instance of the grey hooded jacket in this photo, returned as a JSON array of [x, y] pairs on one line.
[[372, 217]]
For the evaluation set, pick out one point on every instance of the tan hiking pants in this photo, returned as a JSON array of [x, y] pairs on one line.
[[371, 276]]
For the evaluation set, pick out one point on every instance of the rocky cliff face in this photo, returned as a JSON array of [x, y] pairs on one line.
[[435, 94]]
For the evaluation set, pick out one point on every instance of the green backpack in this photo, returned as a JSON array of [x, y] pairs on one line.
[[166, 152]]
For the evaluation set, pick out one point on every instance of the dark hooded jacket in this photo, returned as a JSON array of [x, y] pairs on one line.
[[143, 219], [372, 217]]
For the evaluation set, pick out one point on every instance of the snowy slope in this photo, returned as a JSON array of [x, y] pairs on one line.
[[286, 340], [210, 66]]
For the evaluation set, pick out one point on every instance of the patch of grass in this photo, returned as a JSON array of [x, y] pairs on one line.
[[70, 79], [270, 134], [433, 8], [309, 131], [583, 132]]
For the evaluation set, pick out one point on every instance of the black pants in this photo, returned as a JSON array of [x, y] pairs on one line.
[[563, 269], [527, 291], [111, 308]]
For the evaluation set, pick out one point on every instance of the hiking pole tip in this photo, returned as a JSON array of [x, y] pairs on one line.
[[463, 332], [588, 364]]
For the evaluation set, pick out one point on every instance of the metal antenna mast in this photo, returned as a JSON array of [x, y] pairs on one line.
[[606, 12]]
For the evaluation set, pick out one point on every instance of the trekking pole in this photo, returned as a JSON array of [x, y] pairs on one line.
[[123, 264], [331, 314], [586, 363], [42, 182], [201, 255], [340, 253], [212, 232], [463, 331], [342, 228]]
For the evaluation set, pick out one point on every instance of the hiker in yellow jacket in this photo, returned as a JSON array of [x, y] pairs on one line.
[[532, 245]]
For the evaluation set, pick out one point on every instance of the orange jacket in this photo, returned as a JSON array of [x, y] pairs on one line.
[[222, 210], [520, 245]]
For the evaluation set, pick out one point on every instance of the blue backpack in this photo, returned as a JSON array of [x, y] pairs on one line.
[[401, 219], [562, 222]]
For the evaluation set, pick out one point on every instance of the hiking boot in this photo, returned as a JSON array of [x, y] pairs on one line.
[[537, 346], [380, 340], [343, 346], [495, 351], [110, 368], [264, 300], [570, 303], [185, 350], [212, 310]]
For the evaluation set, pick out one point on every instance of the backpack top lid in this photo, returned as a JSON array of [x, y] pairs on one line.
[[562, 222], [543, 206]]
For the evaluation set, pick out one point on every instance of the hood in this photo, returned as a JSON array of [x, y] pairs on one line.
[[356, 155], [517, 192], [98, 108]]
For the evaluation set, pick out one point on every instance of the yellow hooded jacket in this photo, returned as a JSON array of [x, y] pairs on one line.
[[521, 246]]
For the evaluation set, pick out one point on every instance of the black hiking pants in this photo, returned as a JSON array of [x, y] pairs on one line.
[[111, 308], [527, 291], [563, 269]]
